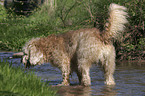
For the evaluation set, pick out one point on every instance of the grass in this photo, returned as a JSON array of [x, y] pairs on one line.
[[15, 31], [16, 82]]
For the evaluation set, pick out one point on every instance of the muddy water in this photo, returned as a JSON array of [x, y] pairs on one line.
[[130, 79]]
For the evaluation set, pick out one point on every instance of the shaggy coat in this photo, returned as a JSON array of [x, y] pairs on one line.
[[75, 51]]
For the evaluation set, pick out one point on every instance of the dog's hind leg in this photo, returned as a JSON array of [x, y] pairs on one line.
[[109, 68], [84, 72]]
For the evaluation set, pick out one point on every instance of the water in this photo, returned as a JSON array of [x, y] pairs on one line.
[[129, 77]]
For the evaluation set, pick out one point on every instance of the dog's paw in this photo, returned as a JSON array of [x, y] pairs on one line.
[[63, 84], [110, 83]]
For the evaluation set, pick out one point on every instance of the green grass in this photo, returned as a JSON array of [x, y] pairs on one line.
[[15, 31], [15, 82]]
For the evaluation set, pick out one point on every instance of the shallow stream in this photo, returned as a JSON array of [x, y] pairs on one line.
[[129, 77]]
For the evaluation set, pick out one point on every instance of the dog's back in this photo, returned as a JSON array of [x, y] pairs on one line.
[[87, 39]]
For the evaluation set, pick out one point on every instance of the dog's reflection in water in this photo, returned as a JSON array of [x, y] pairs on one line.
[[86, 91]]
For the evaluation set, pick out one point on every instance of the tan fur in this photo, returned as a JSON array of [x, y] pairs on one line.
[[75, 51]]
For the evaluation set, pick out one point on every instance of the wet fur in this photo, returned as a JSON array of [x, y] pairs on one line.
[[75, 51]]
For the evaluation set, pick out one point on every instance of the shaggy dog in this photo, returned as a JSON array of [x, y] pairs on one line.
[[75, 51]]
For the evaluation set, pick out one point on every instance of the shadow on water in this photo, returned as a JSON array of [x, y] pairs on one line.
[[130, 79]]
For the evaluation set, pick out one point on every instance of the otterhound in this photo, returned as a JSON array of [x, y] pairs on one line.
[[75, 51]]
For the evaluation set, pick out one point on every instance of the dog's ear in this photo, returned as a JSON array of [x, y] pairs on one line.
[[34, 55]]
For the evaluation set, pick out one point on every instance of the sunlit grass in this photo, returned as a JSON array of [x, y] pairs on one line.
[[15, 82]]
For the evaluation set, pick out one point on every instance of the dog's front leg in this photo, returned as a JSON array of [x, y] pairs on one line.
[[65, 75], [65, 68]]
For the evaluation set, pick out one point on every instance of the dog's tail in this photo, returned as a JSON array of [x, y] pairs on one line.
[[116, 22]]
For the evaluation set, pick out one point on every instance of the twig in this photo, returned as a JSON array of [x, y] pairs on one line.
[[87, 6]]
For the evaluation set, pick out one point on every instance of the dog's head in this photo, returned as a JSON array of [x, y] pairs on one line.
[[32, 56]]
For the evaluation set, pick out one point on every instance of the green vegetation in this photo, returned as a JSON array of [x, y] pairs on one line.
[[65, 15], [15, 82]]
